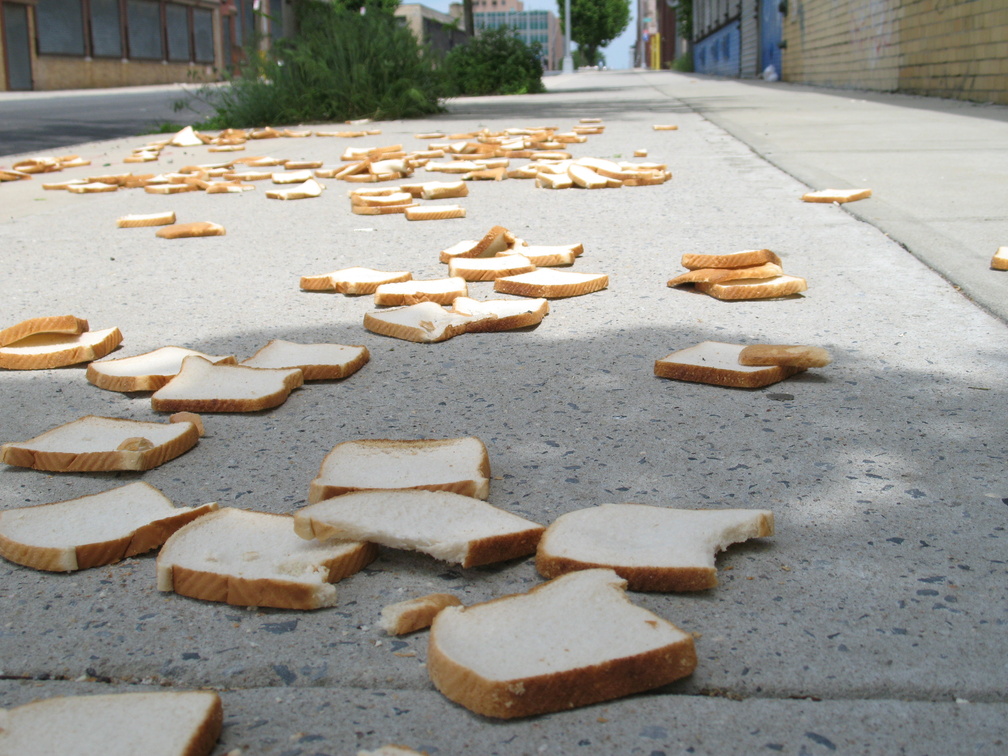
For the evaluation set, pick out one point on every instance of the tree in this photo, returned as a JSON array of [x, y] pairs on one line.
[[595, 23]]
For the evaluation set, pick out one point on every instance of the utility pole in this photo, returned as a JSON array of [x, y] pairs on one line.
[[568, 61]]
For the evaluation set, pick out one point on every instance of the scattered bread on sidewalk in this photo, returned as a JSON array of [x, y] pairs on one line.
[[202, 386], [448, 526], [717, 363], [443, 291], [652, 548], [189, 230], [353, 281], [415, 614], [91, 531], [59, 324], [1000, 259], [317, 362], [161, 723], [793, 355], [98, 444], [756, 288], [46, 350], [146, 372], [837, 195], [458, 465], [148, 219], [551, 284], [574, 641], [249, 558]]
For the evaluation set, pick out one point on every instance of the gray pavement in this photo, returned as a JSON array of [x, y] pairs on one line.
[[872, 622]]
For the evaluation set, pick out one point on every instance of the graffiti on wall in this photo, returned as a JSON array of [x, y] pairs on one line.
[[874, 30]]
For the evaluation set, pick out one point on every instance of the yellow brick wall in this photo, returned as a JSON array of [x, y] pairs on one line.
[[58, 72], [944, 48]]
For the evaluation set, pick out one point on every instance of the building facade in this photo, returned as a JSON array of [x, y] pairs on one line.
[[534, 27], [69, 44], [942, 48], [439, 31]]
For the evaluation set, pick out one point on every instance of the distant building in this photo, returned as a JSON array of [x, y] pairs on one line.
[[532, 27], [437, 30], [658, 38], [953, 48], [66, 44]]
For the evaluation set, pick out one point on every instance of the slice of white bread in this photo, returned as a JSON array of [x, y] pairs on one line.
[[459, 465], [795, 355], [500, 314], [63, 324], [146, 372], [42, 351], [652, 548], [308, 189], [573, 641], [837, 195], [448, 526], [93, 444], [746, 258], [353, 280], [551, 284], [489, 268], [255, 559], [317, 362], [1000, 259], [190, 230], [754, 288], [548, 256], [162, 723], [714, 275], [202, 386], [497, 239], [414, 614], [434, 212], [392, 750], [425, 322], [443, 291], [717, 363], [92, 530], [146, 220]]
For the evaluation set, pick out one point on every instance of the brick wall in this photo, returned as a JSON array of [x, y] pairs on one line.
[[944, 48]]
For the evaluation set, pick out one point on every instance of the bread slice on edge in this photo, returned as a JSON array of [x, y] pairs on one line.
[[837, 195], [717, 363], [191, 230], [1000, 259], [573, 641], [715, 275], [652, 548], [317, 362], [548, 256], [202, 386], [146, 372], [754, 288], [98, 444], [458, 465], [92, 530], [425, 322], [255, 559], [489, 268], [43, 351], [353, 281], [162, 723], [500, 314], [443, 291], [551, 284], [415, 614], [746, 258], [447, 526], [497, 239], [64, 324], [795, 355]]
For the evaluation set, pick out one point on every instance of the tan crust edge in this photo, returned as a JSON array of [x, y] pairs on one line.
[[1000, 259], [794, 355], [746, 259], [550, 291], [559, 691], [189, 230], [409, 333], [130, 383], [721, 376], [655, 579], [509, 322], [768, 288], [67, 324], [63, 358], [415, 614], [336, 372], [278, 594], [716, 275], [290, 382], [503, 547]]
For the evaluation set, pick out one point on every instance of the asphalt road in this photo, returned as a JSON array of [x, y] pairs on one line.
[[42, 121]]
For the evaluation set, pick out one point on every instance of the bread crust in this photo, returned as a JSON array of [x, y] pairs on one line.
[[187, 230], [794, 355], [415, 614], [290, 380], [527, 285], [745, 259], [67, 324], [129, 383], [715, 275], [837, 195], [78, 348], [768, 288], [721, 376]]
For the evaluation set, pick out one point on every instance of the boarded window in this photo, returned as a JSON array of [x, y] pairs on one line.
[[144, 29], [177, 21], [203, 35], [60, 25], [106, 40], [276, 19]]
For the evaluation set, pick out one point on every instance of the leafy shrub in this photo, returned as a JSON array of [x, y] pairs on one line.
[[341, 65], [495, 62]]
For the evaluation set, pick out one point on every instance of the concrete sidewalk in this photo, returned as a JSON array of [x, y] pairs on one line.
[[871, 622]]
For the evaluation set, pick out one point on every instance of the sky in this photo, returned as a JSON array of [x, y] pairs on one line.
[[617, 54]]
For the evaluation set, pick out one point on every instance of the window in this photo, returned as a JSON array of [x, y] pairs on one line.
[[144, 29], [203, 35], [60, 26], [106, 29], [177, 23]]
